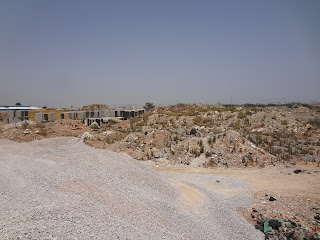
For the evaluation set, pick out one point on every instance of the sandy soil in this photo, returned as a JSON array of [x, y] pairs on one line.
[[297, 195], [275, 179]]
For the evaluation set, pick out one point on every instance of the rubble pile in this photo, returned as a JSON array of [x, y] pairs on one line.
[[283, 229], [28, 131], [204, 136], [284, 216], [3, 117], [207, 136], [94, 107]]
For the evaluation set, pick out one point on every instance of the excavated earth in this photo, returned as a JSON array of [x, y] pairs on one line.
[[60, 188]]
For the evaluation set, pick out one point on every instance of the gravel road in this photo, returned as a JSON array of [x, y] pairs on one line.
[[60, 188]]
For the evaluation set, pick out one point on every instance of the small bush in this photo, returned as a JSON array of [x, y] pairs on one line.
[[149, 106], [25, 124], [208, 154], [195, 152], [197, 120], [248, 113], [315, 122], [201, 149], [94, 126], [241, 115]]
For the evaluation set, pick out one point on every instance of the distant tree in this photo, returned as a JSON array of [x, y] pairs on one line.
[[44, 107], [18, 104], [149, 106]]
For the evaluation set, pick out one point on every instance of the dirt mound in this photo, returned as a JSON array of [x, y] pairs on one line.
[[61, 188], [94, 107]]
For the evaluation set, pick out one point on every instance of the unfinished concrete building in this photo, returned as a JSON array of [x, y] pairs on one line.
[[104, 116], [44, 117], [100, 121], [15, 116], [80, 115], [88, 117], [132, 113]]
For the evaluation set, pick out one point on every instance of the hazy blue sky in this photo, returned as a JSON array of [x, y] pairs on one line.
[[63, 53]]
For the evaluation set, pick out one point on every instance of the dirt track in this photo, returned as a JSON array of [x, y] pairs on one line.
[[298, 195]]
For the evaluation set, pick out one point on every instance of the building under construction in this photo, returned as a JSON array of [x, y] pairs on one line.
[[88, 117], [17, 114]]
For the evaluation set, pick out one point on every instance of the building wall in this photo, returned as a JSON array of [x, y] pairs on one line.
[[39, 116], [15, 116]]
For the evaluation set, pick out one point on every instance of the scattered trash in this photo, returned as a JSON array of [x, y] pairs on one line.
[[272, 199], [107, 133], [86, 135], [297, 171], [288, 218], [275, 229], [193, 131], [272, 223]]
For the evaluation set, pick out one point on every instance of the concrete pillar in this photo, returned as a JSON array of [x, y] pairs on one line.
[[81, 115], [18, 113], [69, 115], [39, 117], [52, 117]]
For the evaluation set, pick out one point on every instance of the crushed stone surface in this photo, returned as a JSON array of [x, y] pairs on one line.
[[60, 188]]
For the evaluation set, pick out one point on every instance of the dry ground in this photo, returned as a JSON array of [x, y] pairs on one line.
[[297, 195]]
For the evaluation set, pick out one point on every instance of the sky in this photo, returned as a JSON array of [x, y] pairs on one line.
[[72, 53]]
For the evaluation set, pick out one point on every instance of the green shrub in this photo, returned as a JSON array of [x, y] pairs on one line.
[[149, 106], [201, 149], [25, 124], [315, 122], [241, 115], [94, 126], [208, 154]]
